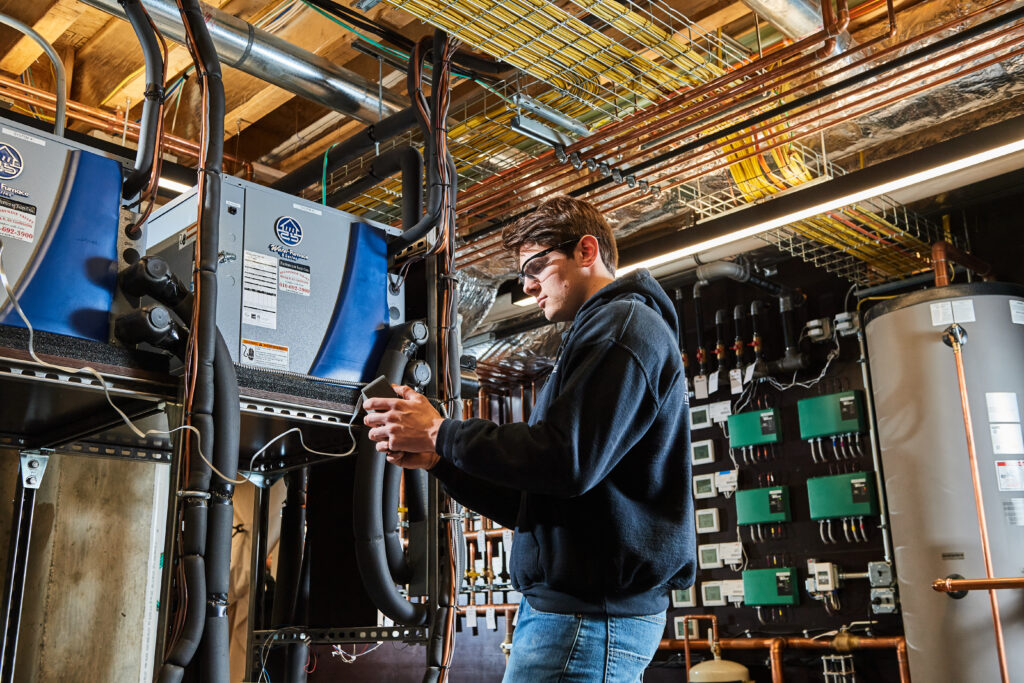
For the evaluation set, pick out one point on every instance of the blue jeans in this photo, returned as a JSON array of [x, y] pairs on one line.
[[579, 648]]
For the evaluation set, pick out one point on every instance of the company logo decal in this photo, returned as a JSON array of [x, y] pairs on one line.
[[285, 252], [10, 162], [288, 231]]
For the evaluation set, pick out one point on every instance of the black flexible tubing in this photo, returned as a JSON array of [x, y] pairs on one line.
[[227, 417], [406, 159], [289, 556], [698, 316], [398, 560], [146, 151], [367, 518], [204, 335], [312, 171]]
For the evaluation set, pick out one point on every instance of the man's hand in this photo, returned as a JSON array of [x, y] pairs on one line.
[[408, 424], [414, 461]]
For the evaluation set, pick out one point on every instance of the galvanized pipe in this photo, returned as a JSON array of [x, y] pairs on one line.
[[241, 45]]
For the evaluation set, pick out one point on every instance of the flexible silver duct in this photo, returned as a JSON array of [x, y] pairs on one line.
[[258, 53]]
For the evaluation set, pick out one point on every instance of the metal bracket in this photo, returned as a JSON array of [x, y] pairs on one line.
[[33, 466]]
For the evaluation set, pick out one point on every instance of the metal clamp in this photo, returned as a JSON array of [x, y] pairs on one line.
[[33, 466]]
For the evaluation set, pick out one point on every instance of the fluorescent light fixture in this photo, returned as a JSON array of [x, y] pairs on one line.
[[528, 301], [538, 131], [173, 185], [838, 202], [553, 115]]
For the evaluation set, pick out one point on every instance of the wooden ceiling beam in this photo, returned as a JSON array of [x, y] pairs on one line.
[[51, 26], [725, 15]]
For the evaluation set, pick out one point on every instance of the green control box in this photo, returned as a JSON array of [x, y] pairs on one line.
[[755, 428], [831, 415], [775, 586], [842, 495], [763, 506]]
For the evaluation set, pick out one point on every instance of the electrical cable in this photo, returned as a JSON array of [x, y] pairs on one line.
[[99, 377]]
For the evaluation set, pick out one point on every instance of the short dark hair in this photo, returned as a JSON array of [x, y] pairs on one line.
[[558, 220]]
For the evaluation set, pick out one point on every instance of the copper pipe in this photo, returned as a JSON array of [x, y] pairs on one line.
[[844, 642], [510, 628], [957, 585], [485, 407], [955, 337], [944, 252], [900, 46], [834, 24], [504, 607], [712, 642], [792, 132], [104, 120]]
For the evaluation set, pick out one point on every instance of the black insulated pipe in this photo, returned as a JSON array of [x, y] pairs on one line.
[[204, 335], [398, 561], [721, 318], [406, 159], [739, 313], [362, 142], [793, 359], [698, 316], [368, 521], [146, 151], [681, 336], [756, 341], [227, 417]]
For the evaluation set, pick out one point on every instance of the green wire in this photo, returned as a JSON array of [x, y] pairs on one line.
[[323, 180], [345, 26]]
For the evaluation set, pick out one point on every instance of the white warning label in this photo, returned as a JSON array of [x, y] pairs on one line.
[[1014, 511], [293, 277], [259, 290], [1010, 475], [264, 355], [17, 220]]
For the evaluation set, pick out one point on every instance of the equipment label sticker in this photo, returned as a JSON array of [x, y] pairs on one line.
[[17, 220], [264, 355], [1007, 439], [259, 290], [859, 490], [1014, 511], [293, 277], [1010, 475], [1002, 406], [1017, 311]]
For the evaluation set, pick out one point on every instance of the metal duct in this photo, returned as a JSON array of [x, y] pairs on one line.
[[796, 19], [258, 53]]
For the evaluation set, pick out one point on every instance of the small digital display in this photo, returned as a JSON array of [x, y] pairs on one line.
[[712, 593], [709, 555], [699, 416], [700, 452], [705, 520], [703, 485]]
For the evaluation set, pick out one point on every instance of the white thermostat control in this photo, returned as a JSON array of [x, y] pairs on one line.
[[732, 590], [702, 452], [708, 557], [707, 520], [684, 597], [692, 626], [711, 594], [700, 418], [704, 486]]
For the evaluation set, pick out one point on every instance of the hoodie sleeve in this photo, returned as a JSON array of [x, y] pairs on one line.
[[604, 407], [490, 500]]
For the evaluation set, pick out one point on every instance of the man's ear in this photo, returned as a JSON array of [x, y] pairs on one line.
[[589, 251]]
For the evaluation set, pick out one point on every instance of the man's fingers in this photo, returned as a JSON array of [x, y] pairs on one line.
[[382, 446], [378, 403], [405, 392]]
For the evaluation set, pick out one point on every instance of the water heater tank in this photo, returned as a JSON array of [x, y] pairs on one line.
[[928, 476]]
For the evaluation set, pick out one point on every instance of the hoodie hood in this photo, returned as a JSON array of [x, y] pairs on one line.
[[638, 285]]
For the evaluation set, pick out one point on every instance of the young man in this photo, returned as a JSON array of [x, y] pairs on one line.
[[597, 484]]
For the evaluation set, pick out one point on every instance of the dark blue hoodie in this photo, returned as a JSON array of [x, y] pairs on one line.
[[597, 484]]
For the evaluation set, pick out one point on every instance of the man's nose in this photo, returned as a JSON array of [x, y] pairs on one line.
[[531, 286]]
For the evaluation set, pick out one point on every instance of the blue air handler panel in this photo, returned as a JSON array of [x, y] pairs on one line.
[[302, 288], [59, 209]]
